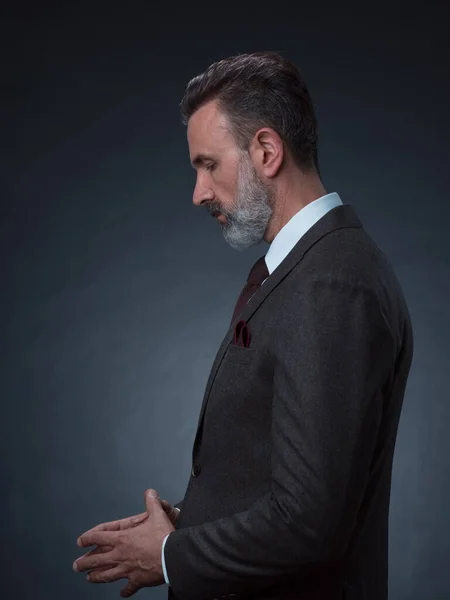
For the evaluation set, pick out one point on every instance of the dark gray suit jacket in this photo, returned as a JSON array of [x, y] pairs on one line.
[[291, 465]]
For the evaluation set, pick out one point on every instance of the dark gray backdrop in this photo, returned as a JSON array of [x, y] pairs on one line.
[[116, 291]]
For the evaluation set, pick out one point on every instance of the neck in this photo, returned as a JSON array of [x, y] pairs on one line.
[[291, 194]]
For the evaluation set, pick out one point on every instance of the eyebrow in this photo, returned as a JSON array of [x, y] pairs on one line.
[[200, 159]]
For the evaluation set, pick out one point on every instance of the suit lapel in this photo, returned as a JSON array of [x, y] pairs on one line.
[[337, 218]]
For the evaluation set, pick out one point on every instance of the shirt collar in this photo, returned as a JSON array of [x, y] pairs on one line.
[[297, 226]]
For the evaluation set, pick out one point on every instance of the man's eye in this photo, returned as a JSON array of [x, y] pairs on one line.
[[211, 167]]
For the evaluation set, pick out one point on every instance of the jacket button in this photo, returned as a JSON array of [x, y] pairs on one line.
[[195, 470]]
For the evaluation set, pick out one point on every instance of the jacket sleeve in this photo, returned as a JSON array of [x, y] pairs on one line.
[[333, 351]]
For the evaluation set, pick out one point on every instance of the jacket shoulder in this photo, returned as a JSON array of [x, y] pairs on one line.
[[347, 255]]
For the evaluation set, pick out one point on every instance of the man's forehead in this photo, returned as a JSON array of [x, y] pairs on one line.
[[207, 128], [206, 116]]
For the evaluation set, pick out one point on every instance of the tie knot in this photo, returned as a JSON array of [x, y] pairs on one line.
[[258, 272]]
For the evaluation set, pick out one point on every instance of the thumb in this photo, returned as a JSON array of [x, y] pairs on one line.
[[152, 501]]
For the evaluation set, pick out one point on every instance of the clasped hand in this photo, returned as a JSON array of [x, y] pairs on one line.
[[129, 548]]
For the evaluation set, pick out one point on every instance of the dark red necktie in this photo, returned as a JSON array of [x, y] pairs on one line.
[[258, 273]]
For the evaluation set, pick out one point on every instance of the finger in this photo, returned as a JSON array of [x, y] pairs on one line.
[[166, 506], [130, 589], [95, 561], [120, 524], [139, 519], [101, 538], [152, 501], [108, 575], [99, 550]]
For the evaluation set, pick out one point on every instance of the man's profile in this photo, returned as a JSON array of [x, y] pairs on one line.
[[289, 491]]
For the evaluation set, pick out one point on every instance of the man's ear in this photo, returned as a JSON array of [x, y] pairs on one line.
[[267, 152]]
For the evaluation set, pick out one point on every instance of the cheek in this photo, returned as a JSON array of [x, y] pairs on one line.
[[226, 190], [224, 181]]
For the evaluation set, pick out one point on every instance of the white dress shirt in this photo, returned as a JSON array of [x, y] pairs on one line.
[[280, 247]]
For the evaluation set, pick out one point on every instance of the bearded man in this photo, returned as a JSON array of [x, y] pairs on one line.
[[291, 465]]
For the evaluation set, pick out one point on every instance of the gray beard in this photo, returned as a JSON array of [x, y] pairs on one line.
[[246, 225]]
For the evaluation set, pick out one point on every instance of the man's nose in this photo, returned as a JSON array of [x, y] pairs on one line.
[[201, 195]]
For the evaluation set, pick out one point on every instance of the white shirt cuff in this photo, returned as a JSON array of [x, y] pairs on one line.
[[166, 578], [163, 562]]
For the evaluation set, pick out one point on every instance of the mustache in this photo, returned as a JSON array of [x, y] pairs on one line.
[[215, 208]]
